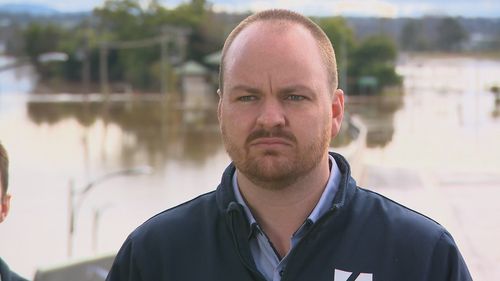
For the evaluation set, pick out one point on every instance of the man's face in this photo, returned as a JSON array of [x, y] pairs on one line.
[[276, 112]]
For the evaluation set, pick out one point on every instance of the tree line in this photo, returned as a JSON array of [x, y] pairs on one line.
[[129, 21]]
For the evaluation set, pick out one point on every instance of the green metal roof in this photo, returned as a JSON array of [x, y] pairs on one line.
[[214, 58], [192, 68], [368, 81]]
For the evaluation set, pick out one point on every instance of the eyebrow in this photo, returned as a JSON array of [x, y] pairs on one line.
[[296, 88], [245, 88], [285, 90]]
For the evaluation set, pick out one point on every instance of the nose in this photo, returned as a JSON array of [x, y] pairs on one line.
[[271, 114]]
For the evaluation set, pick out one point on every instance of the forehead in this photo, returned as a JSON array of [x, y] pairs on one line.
[[268, 32], [274, 47]]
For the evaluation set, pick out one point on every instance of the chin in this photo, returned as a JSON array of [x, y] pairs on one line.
[[269, 168]]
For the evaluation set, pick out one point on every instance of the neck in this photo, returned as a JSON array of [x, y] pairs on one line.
[[281, 211]]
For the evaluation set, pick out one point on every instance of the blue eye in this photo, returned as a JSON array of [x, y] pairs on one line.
[[295, 97], [247, 98]]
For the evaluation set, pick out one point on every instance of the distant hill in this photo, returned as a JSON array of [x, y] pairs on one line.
[[28, 8]]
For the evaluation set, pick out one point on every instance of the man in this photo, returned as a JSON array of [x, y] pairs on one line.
[[5, 273], [286, 209]]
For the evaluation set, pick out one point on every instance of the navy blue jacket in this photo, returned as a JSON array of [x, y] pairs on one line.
[[363, 232]]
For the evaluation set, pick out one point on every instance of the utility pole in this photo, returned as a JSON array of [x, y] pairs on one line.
[[168, 33], [76, 197], [71, 223], [103, 69], [163, 46], [86, 63]]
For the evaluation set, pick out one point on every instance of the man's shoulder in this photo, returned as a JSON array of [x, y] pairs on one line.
[[393, 240], [183, 233], [397, 218], [179, 220]]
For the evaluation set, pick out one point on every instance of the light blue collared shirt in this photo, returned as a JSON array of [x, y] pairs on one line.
[[264, 255]]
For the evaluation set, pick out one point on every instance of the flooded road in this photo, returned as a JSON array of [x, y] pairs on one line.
[[437, 143], [444, 157]]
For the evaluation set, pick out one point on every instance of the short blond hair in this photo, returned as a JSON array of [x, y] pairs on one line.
[[324, 44]]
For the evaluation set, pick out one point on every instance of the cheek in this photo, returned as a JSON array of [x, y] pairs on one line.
[[234, 123], [239, 115], [313, 122]]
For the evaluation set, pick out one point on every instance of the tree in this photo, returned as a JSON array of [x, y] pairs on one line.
[[126, 20], [375, 57], [342, 38], [451, 35], [39, 39], [120, 19], [339, 33], [412, 36]]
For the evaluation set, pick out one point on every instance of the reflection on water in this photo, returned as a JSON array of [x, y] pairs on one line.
[[16, 80], [148, 126], [495, 113], [377, 112]]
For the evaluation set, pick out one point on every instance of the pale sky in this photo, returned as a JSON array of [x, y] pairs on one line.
[[388, 8]]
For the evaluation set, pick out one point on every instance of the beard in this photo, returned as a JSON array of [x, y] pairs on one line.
[[272, 168]]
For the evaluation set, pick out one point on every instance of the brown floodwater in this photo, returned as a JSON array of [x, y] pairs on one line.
[[446, 120]]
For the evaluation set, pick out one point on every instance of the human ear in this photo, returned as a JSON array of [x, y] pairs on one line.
[[219, 93], [337, 111]]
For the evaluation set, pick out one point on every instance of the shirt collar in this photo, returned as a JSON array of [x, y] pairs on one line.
[[323, 205], [241, 201]]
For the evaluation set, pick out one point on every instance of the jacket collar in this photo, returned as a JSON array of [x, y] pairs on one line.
[[347, 186], [236, 219]]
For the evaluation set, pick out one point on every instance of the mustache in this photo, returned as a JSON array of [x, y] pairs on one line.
[[274, 133]]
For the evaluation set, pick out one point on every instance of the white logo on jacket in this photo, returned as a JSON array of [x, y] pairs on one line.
[[340, 275]]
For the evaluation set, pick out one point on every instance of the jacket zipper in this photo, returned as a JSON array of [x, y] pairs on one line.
[[231, 210], [331, 212]]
